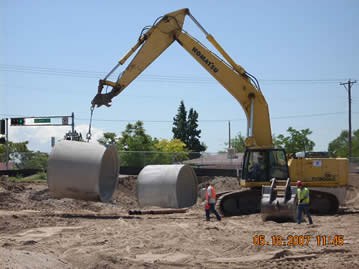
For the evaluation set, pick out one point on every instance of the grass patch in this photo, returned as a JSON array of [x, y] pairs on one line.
[[38, 177]]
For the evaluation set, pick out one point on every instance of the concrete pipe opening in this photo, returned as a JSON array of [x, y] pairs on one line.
[[168, 186], [82, 171]]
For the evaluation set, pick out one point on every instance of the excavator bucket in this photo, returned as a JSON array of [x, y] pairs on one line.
[[278, 201]]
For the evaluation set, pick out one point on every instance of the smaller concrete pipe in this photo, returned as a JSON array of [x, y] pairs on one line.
[[168, 186], [84, 171]]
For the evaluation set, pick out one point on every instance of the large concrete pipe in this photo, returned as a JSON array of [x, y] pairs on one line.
[[168, 186], [84, 171]]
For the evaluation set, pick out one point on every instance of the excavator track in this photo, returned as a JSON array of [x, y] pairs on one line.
[[323, 203], [242, 202]]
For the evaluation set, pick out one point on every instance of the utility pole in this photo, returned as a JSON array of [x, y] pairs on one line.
[[73, 126], [7, 143], [229, 135], [348, 87]]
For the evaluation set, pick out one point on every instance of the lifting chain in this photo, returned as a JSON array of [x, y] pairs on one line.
[[88, 135]]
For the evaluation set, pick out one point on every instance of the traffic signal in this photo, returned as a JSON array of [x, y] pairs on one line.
[[2, 127], [2, 140], [17, 121]]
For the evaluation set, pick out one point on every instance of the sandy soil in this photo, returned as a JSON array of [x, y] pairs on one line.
[[37, 231]]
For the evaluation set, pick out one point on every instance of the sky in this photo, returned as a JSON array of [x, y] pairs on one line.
[[52, 54]]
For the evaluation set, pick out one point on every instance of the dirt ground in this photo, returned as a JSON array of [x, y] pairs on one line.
[[37, 231]]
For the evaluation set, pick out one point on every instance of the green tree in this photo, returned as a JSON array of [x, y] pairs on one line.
[[238, 143], [108, 139], [174, 145], [170, 151], [355, 144], [186, 129], [23, 157], [16, 151], [193, 133], [133, 139], [179, 128], [296, 141], [275, 141], [339, 147], [33, 160]]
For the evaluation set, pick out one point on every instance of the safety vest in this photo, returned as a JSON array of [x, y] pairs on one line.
[[303, 194], [210, 195]]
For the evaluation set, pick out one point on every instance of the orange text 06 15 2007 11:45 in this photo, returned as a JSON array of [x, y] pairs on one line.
[[294, 240]]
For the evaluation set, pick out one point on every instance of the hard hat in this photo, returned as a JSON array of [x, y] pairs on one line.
[[299, 183]]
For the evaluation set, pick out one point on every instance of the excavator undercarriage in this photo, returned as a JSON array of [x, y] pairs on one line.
[[276, 202]]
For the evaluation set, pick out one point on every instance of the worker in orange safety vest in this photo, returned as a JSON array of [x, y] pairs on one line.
[[211, 202]]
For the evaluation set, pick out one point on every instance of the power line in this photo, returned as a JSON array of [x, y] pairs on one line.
[[149, 78], [222, 120], [205, 120]]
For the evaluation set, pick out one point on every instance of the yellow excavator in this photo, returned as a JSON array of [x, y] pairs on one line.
[[263, 164]]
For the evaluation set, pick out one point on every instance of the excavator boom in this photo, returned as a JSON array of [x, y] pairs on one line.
[[232, 76]]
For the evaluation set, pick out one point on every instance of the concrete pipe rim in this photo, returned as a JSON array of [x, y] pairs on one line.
[[108, 174]]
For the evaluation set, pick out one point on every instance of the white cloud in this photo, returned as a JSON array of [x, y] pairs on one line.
[[39, 137]]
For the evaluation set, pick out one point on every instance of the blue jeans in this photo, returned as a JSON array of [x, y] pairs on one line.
[[213, 210], [303, 208]]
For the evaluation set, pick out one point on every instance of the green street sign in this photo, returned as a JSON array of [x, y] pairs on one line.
[[43, 120]]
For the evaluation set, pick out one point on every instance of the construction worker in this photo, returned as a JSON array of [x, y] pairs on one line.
[[211, 202], [257, 169], [303, 202]]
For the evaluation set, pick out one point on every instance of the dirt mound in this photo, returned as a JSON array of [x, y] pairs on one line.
[[39, 231], [352, 195], [7, 185], [36, 196]]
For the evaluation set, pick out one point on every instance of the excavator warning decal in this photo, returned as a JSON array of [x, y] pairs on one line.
[[317, 163]]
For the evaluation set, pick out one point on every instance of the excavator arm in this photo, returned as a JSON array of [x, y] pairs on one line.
[[151, 43], [241, 85]]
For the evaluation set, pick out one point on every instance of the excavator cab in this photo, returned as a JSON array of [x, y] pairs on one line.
[[261, 165], [267, 169]]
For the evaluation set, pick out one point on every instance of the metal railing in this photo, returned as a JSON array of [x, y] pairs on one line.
[[38, 160], [354, 165]]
